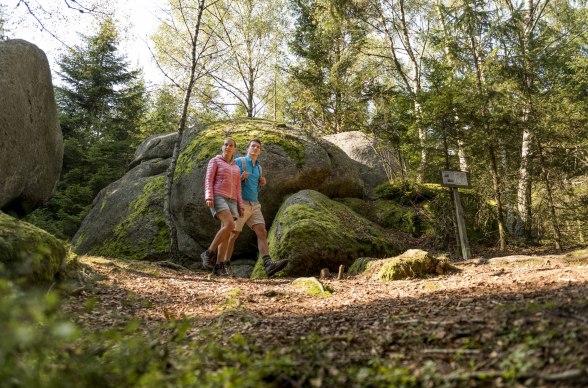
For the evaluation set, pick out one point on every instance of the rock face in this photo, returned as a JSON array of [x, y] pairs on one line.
[[31, 143], [27, 253], [155, 147], [376, 159], [126, 219], [291, 162], [315, 232], [119, 226]]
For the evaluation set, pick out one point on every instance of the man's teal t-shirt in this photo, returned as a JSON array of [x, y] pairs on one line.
[[250, 186]]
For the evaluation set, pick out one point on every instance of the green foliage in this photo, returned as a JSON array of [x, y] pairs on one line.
[[28, 254], [327, 81], [407, 193], [163, 113], [100, 106], [427, 210]]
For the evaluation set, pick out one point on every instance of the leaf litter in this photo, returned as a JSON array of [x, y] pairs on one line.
[[521, 315]]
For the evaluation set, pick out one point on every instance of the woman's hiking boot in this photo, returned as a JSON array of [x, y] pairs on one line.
[[271, 267], [208, 259]]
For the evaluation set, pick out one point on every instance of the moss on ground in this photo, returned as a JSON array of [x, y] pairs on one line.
[[28, 253], [579, 257], [312, 286], [360, 265]]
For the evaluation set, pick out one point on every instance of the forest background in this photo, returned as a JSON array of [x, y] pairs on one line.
[[496, 88]]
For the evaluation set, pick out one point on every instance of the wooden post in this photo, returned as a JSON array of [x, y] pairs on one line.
[[461, 226], [341, 270]]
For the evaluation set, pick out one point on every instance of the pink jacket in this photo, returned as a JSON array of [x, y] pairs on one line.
[[224, 179]]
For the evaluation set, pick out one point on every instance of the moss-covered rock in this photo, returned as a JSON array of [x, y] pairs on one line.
[[386, 213], [291, 161], [414, 263], [127, 219], [426, 210], [314, 232], [313, 286], [360, 265], [27, 253]]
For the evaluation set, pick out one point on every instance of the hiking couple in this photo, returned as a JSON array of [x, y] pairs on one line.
[[231, 191]]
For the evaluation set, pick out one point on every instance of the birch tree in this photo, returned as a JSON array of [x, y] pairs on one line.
[[403, 28], [250, 37], [187, 23]]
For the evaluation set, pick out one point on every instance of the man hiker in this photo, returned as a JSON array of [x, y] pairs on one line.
[[251, 182]]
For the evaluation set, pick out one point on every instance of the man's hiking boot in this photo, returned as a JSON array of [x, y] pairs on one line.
[[271, 267], [227, 270], [219, 270], [208, 259]]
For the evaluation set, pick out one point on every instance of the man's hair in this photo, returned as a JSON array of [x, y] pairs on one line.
[[256, 140]]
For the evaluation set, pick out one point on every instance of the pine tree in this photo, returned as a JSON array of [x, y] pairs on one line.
[[101, 104], [328, 81]]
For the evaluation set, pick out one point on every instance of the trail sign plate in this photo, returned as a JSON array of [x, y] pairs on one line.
[[451, 178]]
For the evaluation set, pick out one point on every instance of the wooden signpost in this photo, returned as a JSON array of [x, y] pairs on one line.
[[455, 180]]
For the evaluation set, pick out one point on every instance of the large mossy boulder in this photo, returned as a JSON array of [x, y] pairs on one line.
[[414, 263], [31, 149], [126, 220], [28, 254], [315, 232], [291, 161], [127, 217]]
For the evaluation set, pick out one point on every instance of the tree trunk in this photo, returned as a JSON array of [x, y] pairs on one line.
[[498, 199], [552, 213], [523, 228], [169, 177]]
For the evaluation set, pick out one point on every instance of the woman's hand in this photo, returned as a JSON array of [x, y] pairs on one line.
[[241, 212], [244, 175], [209, 203], [262, 181]]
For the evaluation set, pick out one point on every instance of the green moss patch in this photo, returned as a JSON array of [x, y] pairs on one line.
[[143, 234], [579, 257], [360, 265], [313, 286], [414, 263], [28, 253], [426, 210], [208, 141]]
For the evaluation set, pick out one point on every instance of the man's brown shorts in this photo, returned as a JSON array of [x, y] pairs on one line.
[[251, 216]]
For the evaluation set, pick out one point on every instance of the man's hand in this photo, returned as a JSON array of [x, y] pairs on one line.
[[244, 175], [209, 203], [262, 181], [241, 212]]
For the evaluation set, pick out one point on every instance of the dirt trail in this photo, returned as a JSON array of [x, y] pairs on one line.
[[527, 313]]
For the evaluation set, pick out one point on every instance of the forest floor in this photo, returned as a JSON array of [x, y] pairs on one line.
[[502, 321]]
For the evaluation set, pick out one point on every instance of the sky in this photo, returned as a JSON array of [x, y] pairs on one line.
[[136, 17]]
